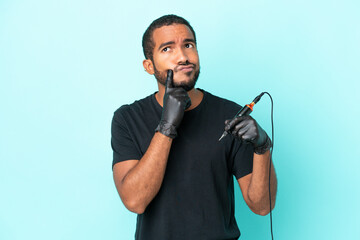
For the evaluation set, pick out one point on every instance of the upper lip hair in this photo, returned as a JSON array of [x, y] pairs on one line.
[[185, 66]]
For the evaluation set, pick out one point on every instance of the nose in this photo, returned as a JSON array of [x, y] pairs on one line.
[[182, 56]]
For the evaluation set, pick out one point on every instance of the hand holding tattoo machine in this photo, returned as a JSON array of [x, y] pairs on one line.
[[265, 144], [246, 110]]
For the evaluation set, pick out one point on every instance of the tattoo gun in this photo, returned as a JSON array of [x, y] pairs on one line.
[[246, 110]]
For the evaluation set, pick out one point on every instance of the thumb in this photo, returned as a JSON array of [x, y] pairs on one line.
[[169, 79]]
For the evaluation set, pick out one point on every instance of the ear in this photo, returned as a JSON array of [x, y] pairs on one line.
[[148, 66]]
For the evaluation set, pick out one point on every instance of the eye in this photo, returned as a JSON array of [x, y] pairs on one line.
[[166, 49], [189, 45]]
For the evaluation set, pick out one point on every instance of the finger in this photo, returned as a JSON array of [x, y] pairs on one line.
[[182, 96], [169, 79], [243, 134], [240, 125], [232, 123]]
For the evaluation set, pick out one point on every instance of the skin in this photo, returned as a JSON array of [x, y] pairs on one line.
[[138, 182]]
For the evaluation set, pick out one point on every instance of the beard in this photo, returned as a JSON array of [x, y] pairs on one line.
[[187, 86]]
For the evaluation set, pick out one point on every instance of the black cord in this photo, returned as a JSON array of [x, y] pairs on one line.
[[271, 151]]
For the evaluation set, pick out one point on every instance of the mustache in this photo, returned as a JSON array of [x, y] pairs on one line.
[[176, 69]]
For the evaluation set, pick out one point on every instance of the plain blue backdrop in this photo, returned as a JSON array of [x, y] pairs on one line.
[[66, 66]]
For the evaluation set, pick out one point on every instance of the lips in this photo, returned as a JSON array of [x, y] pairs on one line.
[[186, 68]]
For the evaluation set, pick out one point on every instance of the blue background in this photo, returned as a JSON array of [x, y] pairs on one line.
[[66, 66]]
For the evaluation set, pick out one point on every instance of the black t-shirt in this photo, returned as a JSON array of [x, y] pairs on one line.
[[196, 198]]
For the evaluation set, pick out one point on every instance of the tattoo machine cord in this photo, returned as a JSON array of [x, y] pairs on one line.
[[246, 110]]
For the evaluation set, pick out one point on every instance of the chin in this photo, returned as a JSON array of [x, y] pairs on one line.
[[184, 78], [182, 82]]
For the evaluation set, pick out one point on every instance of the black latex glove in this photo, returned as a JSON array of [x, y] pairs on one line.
[[247, 129], [176, 101]]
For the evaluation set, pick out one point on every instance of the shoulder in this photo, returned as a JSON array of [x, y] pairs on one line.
[[137, 106], [220, 100], [221, 104]]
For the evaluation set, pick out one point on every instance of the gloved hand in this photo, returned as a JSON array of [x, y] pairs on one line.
[[176, 101], [247, 129]]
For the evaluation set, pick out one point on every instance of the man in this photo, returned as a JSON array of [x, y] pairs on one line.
[[169, 166]]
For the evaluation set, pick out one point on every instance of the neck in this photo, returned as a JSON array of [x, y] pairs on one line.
[[195, 95]]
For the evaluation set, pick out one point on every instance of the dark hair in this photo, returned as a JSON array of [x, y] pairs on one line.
[[147, 40]]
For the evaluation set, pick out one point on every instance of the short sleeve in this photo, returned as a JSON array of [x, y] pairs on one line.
[[243, 159], [122, 143]]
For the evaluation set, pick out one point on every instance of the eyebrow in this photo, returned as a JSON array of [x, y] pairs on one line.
[[164, 44], [172, 42], [190, 40]]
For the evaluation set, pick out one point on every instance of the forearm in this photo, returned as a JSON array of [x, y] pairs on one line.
[[258, 191], [143, 182]]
